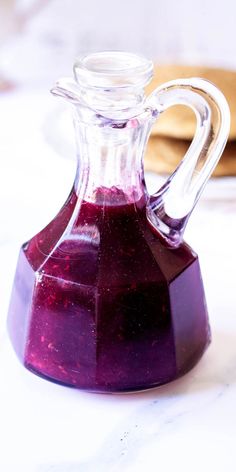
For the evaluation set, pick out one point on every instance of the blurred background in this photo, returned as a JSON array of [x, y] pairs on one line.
[[39, 39]]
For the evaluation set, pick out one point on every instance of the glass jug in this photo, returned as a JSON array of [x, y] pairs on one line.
[[108, 297]]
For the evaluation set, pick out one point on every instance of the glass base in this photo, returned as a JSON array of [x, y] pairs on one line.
[[134, 344], [128, 390]]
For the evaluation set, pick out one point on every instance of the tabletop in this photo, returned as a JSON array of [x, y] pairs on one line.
[[44, 427]]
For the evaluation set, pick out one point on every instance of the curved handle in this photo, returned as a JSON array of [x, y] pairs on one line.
[[170, 208]]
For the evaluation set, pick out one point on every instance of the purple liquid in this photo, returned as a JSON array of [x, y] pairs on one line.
[[111, 308]]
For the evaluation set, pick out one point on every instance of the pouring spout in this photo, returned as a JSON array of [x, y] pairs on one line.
[[68, 89]]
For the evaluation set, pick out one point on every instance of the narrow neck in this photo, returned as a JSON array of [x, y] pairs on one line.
[[110, 167]]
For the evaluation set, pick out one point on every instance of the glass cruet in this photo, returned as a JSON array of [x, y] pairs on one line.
[[108, 297]]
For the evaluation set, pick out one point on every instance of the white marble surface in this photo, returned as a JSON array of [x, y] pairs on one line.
[[187, 425]]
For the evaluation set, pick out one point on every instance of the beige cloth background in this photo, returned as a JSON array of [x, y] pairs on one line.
[[174, 130]]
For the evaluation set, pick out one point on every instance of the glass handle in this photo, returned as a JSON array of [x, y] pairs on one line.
[[170, 207]]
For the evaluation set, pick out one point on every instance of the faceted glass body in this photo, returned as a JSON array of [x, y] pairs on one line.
[[113, 309]]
